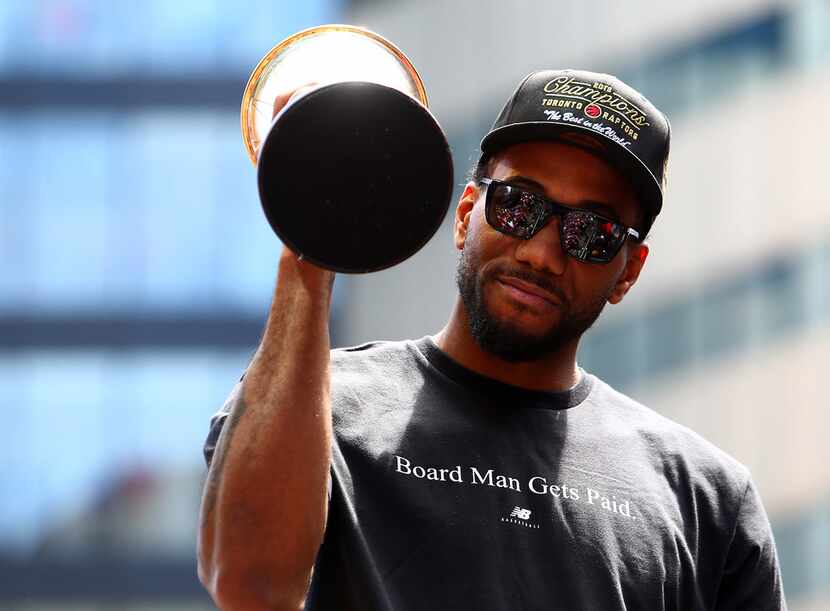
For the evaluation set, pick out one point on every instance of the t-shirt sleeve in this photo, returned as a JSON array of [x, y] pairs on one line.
[[218, 421], [752, 576]]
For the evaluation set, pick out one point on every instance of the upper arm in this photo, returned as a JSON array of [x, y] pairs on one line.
[[218, 421], [752, 577]]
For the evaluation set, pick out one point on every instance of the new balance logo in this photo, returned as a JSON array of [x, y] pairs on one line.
[[523, 516], [518, 512]]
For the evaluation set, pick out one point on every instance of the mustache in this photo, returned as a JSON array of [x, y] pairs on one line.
[[531, 277]]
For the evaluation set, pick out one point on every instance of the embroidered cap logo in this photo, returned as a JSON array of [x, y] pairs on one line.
[[593, 111]]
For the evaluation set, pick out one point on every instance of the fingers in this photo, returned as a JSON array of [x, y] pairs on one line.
[[283, 99]]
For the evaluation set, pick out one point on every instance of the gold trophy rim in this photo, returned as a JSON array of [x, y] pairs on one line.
[[333, 27]]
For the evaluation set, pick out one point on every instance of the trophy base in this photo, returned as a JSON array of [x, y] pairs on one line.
[[355, 177]]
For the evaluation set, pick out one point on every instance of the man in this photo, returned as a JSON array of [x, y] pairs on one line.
[[481, 468]]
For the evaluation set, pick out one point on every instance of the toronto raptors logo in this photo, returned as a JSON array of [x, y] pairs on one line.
[[593, 111]]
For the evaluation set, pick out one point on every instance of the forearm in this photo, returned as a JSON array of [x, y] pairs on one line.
[[265, 501]]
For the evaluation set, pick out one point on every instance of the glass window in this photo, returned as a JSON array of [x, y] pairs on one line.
[[147, 210], [74, 420], [97, 38]]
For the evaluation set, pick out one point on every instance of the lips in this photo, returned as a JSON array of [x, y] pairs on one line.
[[528, 291]]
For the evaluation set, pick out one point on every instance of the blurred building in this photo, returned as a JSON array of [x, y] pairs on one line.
[[136, 267], [135, 273]]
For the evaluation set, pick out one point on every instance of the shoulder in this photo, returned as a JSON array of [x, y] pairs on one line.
[[715, 501], [683, 454], [374, 388], [382, 357], [379, 368], [372, 350]]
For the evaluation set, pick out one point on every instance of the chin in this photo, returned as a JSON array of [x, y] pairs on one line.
[[521, 320], [517, 334], [515, 343]]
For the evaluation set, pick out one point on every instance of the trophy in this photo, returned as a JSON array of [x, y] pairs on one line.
[[354, 172]]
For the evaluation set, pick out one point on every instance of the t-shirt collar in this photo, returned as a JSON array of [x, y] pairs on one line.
[[502, 392]]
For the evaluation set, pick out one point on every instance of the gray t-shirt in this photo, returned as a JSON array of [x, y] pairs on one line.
[[451, 490]]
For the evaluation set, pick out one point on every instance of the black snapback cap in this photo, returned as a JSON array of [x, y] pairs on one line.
[[632, 133]]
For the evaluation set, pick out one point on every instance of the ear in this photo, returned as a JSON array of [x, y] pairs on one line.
[[463, 211], [637, 256]]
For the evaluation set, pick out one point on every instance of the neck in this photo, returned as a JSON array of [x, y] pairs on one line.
[[555, 371]]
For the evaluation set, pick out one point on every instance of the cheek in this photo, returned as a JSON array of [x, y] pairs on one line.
[[478, 226], [593, 283], [483, 240]]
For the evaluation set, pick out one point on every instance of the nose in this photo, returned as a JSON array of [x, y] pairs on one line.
[[543, 252]]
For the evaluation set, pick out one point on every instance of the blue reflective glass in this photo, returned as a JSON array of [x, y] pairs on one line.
[[97, 37], [144, 210], [73, 421]]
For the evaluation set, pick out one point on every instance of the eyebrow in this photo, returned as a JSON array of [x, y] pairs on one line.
[[590, 204]]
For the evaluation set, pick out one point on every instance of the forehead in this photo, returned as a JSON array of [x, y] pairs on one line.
[[569, 174]]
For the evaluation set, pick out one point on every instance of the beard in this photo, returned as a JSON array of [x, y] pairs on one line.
[[503, 338]]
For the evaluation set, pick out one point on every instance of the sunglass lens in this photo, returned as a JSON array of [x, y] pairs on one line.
[[588, 237], [513, 211], [584, 235]]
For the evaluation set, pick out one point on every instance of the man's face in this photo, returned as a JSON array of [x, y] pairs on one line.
[[526, 298]]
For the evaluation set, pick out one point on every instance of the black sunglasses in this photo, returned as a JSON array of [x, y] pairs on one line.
[[584, 235]]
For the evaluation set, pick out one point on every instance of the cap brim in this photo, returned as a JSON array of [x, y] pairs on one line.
[[634, 170]]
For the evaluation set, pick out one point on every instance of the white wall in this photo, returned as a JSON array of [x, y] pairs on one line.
[[747, 178], [466, 49]]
